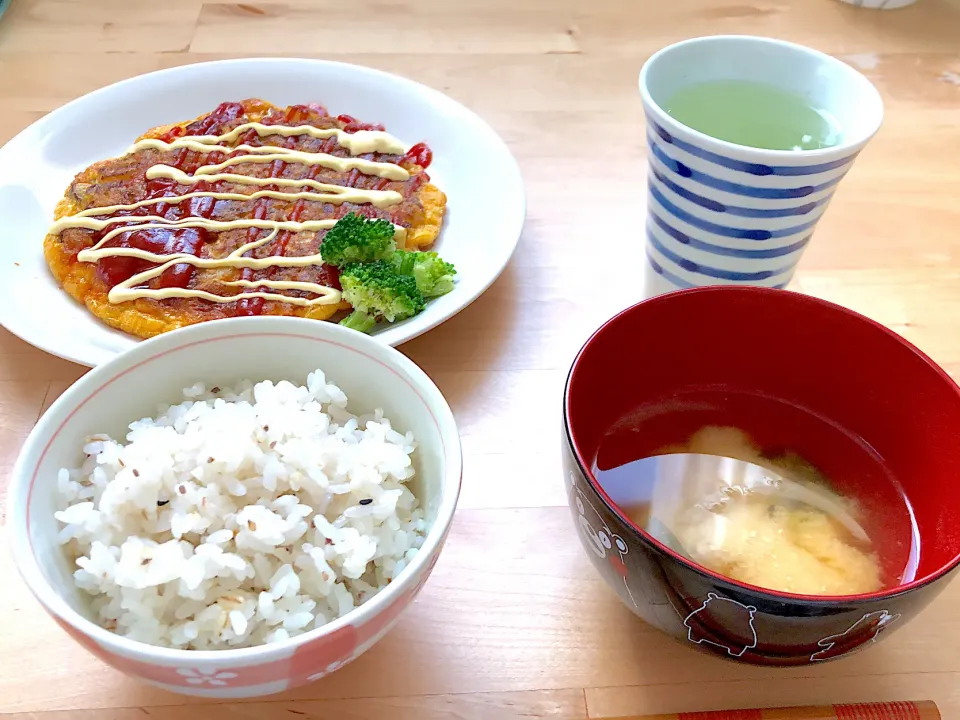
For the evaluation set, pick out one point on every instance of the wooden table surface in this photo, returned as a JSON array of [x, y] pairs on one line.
[[514, 622]]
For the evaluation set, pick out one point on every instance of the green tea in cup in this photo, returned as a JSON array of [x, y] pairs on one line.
[[754, 114]]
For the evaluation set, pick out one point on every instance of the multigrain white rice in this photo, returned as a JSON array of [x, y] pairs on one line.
[[240, 516]]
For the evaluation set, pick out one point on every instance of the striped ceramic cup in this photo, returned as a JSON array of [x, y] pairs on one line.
[[720, 213]]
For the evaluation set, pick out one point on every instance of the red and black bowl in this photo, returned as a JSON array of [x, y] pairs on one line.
[[873, 412]]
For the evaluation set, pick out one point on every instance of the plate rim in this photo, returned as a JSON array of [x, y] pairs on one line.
[[392, 336]]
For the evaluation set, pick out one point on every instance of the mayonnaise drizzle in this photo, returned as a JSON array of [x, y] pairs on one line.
[[367, 167], [358, 143], [202, 147], [172, 173], [127, 289], [364, 141], [377, 198], [98, 251]]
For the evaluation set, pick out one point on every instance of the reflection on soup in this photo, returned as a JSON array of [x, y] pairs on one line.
[[788, 530]]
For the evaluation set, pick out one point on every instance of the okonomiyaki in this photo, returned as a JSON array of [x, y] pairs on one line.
[[226, 216]]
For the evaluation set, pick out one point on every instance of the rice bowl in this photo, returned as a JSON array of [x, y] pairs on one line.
[[408, 469]]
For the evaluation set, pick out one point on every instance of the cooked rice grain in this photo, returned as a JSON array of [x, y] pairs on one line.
[[240, 516]]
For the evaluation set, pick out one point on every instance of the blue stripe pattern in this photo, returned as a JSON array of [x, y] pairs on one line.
[[695, 230], [762, 193], [748, 167], [713, 272], [736, 210], [678, 281], [674, 279], [730, 232], [760, 254]]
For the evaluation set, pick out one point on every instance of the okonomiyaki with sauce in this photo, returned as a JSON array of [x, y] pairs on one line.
[[227, 215]]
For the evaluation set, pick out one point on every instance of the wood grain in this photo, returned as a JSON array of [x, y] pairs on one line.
[[559, 705], [515, 623], [916, 710]]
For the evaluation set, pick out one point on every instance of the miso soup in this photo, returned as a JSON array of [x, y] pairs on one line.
[[826, 519]]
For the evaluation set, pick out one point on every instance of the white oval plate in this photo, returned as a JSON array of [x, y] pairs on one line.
[[472, 165]]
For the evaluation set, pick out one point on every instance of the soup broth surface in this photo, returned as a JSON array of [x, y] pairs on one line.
[[820, 515]]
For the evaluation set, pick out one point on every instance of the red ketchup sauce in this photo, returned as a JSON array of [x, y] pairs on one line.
[[161, 241], [420, 154], [352, 125]]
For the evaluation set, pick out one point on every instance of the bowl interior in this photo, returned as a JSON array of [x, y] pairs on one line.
[[794, 372], [132, 387]]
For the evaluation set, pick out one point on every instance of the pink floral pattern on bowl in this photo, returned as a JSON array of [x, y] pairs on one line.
[[309, 662]]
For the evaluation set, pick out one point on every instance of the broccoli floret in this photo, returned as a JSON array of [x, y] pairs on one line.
[[434, 275], [357, 239], [376, 290], [359, 321]]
